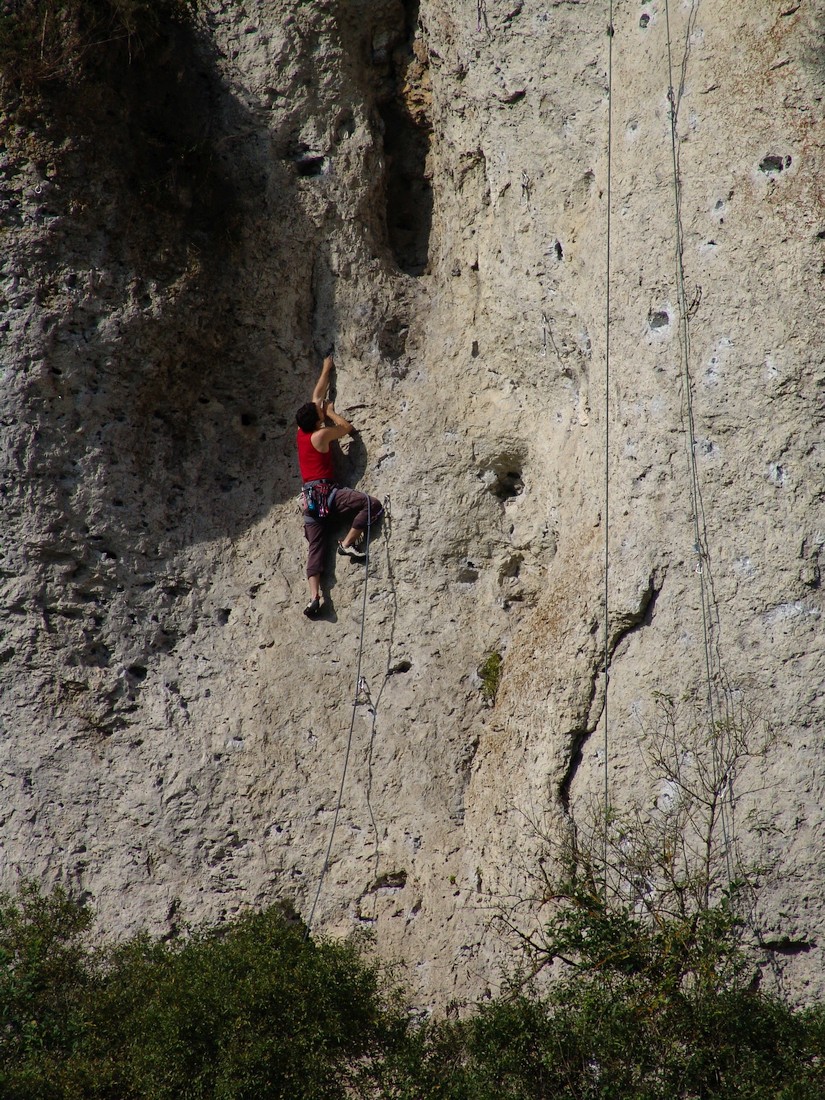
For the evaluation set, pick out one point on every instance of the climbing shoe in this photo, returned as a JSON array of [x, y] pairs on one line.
[[355, 552], [313, 608]]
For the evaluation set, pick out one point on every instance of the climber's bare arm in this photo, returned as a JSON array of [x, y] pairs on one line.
[[322, 385], [340, 427]]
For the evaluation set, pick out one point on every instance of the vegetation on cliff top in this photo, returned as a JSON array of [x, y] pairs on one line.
[[47, 41]]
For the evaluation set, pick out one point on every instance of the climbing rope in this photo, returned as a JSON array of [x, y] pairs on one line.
[[697, 508], [386, 530], [695, 491], [606, 746], [356, 694]]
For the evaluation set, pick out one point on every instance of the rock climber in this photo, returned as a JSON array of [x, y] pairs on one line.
[[322, 499]]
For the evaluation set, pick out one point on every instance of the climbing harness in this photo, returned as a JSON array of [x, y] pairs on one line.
[[316, 498]]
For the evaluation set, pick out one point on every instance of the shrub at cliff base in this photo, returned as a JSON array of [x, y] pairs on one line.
[[252, 1009], [256, 1010], [660, 1012]]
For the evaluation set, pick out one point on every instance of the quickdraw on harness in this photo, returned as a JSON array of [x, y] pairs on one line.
[[316, 498]]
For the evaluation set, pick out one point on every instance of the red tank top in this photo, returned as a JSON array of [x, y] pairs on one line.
[[314, 465]]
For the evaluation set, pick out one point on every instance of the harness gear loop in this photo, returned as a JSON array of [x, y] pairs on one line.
[[316, 498]]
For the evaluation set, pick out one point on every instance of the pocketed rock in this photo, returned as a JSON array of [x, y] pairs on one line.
[[423, 186]]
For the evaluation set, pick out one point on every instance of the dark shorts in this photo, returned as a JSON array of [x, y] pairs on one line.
[[364, 510]]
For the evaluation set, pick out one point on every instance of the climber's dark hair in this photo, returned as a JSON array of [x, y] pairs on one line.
[[307, 417]]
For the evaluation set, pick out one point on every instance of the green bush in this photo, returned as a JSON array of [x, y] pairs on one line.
[[248, 1010], [655, 994], [46, 978], [489, 672], [618, 1035], [254, 1009]]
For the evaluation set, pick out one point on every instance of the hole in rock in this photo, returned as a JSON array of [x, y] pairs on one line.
[[502, 475], [345, 126], [773, 164], [392, 880], [407, 129], [510, 567], [508, 485], [658, 319], [138, 671], [644, 21], [392, 340], [249, 420], [559, 251], [474, 349], [310, 166], [468, 573]]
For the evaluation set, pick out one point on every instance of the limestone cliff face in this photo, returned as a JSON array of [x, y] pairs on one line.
[[425, 186]]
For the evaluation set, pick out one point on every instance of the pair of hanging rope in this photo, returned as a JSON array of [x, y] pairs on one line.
[[697, 511], [355, 700], [697, 508], [606, 743], [684, 322]]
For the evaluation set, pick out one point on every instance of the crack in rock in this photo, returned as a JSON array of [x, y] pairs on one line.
[[784, 945], [625, 623]]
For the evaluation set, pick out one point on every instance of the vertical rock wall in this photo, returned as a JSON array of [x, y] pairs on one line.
[[425, 186]]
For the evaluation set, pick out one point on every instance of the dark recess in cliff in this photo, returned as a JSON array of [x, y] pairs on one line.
[[148, 394], [407, 129]]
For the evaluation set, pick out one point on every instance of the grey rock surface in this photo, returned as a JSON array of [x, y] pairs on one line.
[[425, 186]]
